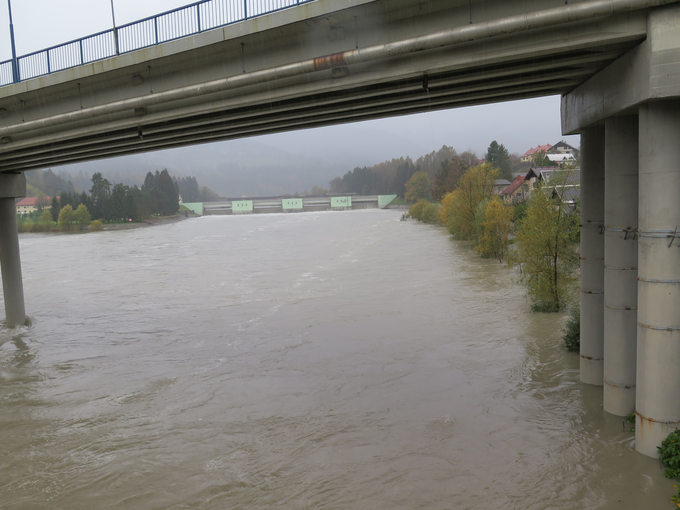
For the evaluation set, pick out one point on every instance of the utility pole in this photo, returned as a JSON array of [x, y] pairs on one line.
[[115, 30], [15, 65]]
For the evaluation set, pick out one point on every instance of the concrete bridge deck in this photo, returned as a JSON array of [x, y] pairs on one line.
[[322, 63]]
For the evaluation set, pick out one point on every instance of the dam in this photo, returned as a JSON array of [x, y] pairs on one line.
[[289, 204]]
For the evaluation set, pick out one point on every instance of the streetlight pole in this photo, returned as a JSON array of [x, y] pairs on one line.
[[15, 66], [115, 30]]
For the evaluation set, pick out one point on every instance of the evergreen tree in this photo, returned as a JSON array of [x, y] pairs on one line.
[[170, 197], [498, 156], [65, 199], [100, 190], [55, 209], [149, 181]]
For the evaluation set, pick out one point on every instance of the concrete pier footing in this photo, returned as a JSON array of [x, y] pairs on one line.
[[592, 255], [620, 264], [658, 323], [11, 186]]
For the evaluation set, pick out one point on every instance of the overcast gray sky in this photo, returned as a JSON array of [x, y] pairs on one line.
[[519, 125]]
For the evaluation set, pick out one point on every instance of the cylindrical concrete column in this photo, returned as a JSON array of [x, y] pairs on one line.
[[658, 352], [620, 263], [12, 284], [592, 255]]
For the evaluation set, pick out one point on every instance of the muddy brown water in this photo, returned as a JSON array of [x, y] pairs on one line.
[[333, 360]]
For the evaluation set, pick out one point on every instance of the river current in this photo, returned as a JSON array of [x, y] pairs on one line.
[[331, 360]]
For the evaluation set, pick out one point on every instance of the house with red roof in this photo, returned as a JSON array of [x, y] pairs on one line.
[[30, 204], [518, 190], [529, 155]]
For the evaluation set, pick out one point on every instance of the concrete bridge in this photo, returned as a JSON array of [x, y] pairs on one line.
[[616, 64]]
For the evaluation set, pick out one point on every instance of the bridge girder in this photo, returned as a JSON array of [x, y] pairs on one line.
[[531, 63]]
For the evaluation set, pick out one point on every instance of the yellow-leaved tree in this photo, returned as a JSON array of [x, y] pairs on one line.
[[496, 227], [82, 216], [460, 206], [418, 187], [546, 247], [66, 217]]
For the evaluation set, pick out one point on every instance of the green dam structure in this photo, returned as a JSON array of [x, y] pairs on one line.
[[289, 205]]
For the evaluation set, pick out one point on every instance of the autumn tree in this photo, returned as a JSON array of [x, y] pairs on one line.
[[418, 187], [46, 219], [446, 178], [82, 216], [66, 217], [460, 206], [545, 247], [495, 229]]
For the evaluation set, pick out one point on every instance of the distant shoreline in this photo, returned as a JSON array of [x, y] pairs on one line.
[[143, 223]]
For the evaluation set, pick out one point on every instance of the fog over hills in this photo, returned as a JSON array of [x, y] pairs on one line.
[[295, 161], [254, 166], [231, 169]]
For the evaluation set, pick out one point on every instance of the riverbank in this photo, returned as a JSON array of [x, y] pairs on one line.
[[112, 226], [143, 224]]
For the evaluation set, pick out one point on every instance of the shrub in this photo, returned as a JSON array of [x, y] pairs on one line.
[[669, 454], [571, 334], [425, 211], [416, 210], [430, 214], [96, 225]]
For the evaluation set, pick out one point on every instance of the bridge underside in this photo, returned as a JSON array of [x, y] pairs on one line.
[[531, 63]]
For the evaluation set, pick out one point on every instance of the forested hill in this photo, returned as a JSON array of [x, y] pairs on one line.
[[233, 169], [391, 176]]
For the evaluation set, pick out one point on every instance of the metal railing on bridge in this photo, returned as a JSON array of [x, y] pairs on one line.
[[167, 26]]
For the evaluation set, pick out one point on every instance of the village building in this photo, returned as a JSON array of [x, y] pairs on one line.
[[528, 156], [570, 182], [563, 147], [517, 191], [561, 158], [30, 204], [499, 185]]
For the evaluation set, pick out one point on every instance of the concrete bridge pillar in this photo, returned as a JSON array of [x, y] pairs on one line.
[[11, 186], [620, 263], [658, 358], [592, 255]]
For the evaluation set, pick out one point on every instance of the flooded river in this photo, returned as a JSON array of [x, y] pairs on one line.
[[333, 360]]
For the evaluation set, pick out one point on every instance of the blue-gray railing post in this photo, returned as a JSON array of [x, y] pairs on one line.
[[15, 64], [155, 27], [82, 60], [245, 9], [198, 16], [49, 68], [115, 30]]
